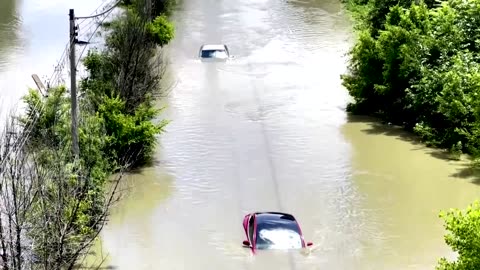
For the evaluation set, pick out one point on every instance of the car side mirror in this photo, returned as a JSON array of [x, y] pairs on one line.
[[246, 243], [309, 244]]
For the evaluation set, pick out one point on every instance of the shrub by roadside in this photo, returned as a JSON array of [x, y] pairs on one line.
[[416, 64], [419, 68]]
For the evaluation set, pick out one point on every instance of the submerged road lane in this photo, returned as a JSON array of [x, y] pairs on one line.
[[260, 132]]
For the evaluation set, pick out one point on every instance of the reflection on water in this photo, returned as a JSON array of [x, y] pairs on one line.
[[9, 24], [279, 239]]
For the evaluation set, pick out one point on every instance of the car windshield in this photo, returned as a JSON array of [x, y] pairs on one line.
[[278, 234], [214, 54]]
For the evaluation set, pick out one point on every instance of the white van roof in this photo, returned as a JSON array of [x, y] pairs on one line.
[[213, 47]]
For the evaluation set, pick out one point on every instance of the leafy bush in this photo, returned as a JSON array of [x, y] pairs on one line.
[[129, 136], [72, 207], [418, 65], [463, 237], [122, 80], [427, 59], [159, 7], [160, 30]]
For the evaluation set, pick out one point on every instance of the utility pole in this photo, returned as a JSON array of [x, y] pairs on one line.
[[73, 84]]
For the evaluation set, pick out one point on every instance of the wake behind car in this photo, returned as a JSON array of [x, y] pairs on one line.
[[272, 230], [214, 52]]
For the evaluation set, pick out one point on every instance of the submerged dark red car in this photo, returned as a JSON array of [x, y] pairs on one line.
[[272, 230]]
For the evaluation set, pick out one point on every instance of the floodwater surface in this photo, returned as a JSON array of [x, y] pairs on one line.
[[265, 131]]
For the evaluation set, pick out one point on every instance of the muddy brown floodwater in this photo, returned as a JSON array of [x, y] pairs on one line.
[[264, 131]]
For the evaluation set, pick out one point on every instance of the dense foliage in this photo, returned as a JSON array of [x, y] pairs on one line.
[[463, 237], [416, 64], [51, 205], [124, 78]]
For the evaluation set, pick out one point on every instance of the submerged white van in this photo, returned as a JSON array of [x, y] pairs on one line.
[[214, 51]]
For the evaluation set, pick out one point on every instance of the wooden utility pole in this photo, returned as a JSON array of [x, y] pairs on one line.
[[73, 85]]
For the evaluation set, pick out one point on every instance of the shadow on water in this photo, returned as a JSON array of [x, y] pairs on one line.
[[376, 127], [468, 171]]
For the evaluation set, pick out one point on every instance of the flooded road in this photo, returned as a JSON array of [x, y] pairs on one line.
[[267, 131]]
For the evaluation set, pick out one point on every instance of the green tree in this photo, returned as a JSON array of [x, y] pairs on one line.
[[131, 137], [123, 80], [427, 57], [160, 30], [418, 65], [47, 198], [463, 237]]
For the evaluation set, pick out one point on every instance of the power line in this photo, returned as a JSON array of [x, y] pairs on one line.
[[86, 45], [95, 17], [54, 78], [93, 23], [87, 28], [91, 36], [100, 14], [93, 12], [61, 64], [108, 7]]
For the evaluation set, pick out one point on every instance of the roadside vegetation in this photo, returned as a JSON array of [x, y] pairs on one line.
[[52, 205], [416, 64]]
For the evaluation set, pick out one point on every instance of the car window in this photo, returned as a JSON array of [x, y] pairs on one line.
[[250, 228], [214, 54], [273, 235], [208, 53]]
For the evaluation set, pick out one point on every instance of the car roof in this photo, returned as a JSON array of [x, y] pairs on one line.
[[213, 47], [273, 216]]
